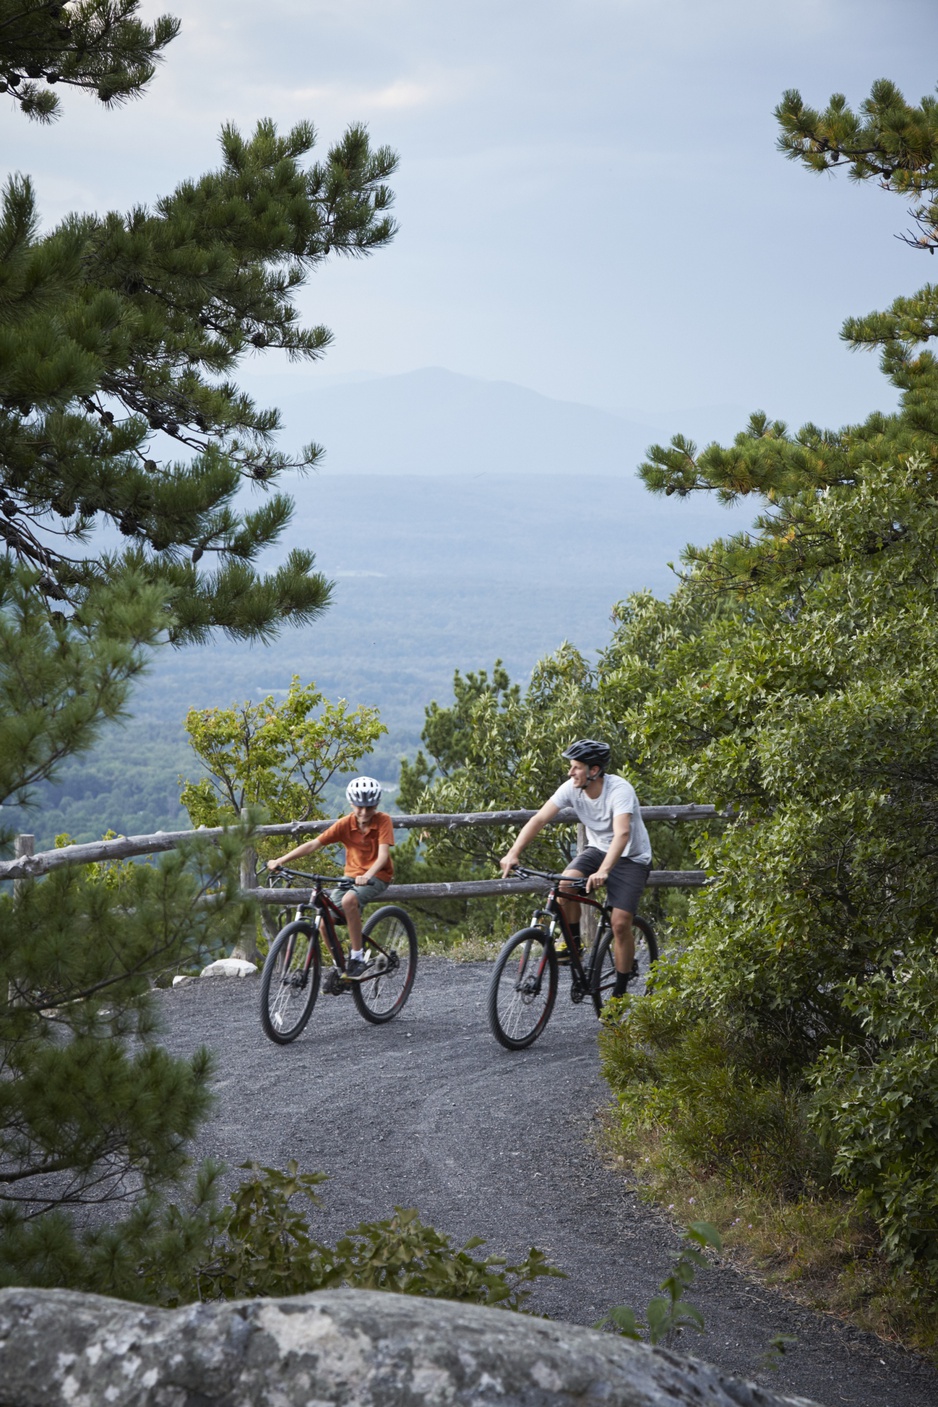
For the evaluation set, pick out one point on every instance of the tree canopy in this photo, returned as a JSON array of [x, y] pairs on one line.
[[792, 1039], [896, 145], [99, 46], [119, 418], [118, 339]]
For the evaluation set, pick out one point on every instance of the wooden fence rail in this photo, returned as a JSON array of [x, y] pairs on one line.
[[26, 865]]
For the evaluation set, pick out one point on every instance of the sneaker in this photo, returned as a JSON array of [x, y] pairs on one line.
[[355, 967], [561, 949], [622, 982]]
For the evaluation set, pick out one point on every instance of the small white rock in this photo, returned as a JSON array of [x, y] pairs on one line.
[[229, 967]]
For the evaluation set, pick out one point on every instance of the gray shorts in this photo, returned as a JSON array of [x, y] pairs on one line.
[[364, 893], [627, 878]]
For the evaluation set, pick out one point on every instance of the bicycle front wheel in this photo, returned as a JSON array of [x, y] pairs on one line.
[[290, 982], [523, 989], [391, 952], [604, 970]]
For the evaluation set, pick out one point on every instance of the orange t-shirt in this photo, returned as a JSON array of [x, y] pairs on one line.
[[361, 847]]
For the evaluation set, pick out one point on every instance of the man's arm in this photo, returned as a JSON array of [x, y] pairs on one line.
[[621, 832], [526, 834]]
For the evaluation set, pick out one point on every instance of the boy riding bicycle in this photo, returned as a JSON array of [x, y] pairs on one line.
[[618, 854], [367, 835]]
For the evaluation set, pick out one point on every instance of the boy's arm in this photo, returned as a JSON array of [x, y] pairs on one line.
[[384, 854], [306, 848]]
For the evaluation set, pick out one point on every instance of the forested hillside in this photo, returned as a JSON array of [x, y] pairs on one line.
[[443, 575]]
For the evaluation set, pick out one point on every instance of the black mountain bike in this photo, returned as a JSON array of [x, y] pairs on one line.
[[524, 984], [291, 977]]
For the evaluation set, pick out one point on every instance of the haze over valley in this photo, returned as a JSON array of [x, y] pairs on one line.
[[451, 565]]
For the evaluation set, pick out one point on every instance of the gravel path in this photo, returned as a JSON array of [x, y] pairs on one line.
[[429, 1112]]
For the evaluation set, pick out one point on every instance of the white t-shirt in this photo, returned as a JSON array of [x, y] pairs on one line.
[[617, 798]]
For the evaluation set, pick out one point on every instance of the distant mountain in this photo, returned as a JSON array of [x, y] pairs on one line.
[[437, 422]]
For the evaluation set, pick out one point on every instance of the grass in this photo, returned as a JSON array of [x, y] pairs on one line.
[[821, 1251]]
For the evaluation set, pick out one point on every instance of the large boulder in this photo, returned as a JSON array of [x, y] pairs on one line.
[[351, 1347]]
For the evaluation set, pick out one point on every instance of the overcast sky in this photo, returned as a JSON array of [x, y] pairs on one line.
[[589, 197]]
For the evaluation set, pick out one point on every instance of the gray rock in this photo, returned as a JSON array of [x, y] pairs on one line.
[[350, 1347]]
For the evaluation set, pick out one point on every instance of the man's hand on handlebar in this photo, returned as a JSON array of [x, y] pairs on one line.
[[506, 864], [596, 881]]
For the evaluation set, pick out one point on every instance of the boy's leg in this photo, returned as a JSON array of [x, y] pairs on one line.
[[353, 917]]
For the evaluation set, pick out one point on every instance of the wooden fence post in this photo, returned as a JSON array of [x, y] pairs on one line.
[[23, 847]]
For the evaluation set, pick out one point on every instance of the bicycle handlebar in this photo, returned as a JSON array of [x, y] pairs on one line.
[[341, 881], [524, 873]]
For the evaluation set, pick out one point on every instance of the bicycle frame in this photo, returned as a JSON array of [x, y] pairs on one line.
[[326, 910], [581, 977]]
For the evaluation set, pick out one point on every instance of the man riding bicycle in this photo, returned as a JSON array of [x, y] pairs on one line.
[[618, 853]]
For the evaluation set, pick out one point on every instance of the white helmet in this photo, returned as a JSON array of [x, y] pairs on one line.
[[363, 791]]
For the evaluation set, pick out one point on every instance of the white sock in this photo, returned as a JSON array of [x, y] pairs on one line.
[[359, 955]]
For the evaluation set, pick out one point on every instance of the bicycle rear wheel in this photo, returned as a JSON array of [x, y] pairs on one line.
[[604, 969], [290, 982], [523, 989], [391, 948]]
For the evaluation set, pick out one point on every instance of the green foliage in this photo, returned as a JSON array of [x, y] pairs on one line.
[[278, 757], [880, 1117], [92, 1109], [794, 1045], [261, 1245], [99, 46], [888, 141], [668, 1314], [62, 679], [492, 749], [118, 335]]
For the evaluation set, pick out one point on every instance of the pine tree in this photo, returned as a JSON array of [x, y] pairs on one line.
[[896, 145], [119, 335], [98, 45]]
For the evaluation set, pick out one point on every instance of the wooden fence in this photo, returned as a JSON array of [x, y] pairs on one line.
[[27, 865]]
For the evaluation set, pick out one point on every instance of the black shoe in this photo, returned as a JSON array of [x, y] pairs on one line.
[[355, 967], [622, 982]]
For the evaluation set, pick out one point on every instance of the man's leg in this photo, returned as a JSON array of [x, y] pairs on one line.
[[571, 906], [623, 946]]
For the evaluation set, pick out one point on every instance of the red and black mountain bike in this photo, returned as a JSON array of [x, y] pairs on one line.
[[526, 976], [291, 977]]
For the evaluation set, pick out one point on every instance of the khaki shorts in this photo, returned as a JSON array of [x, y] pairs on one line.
[[364, 893]]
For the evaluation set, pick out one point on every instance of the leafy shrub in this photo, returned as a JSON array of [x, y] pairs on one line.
[[261, 1245], [668, 1314]]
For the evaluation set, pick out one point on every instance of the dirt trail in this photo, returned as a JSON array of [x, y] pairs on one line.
[[430, 1112]]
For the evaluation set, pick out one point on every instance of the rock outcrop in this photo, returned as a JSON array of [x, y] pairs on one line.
[[350, 1347]]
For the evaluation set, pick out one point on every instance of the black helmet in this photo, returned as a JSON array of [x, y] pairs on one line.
[[588, 750]]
